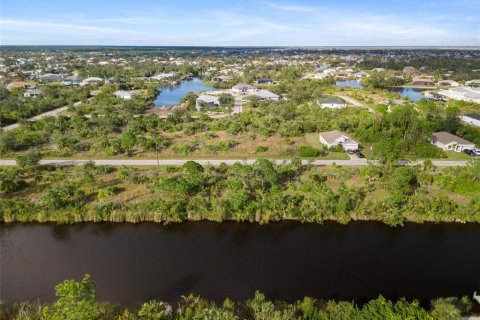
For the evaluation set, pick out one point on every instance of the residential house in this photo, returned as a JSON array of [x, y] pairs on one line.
[[448, 83], [266, 95], [361, 75], [409, 69], [336, 137], [206, 100], [91, 80], [264, 81], [450, 142], [32, 93], [72, 80], [473, 83], [126, 95], [18, 85], [331, 103], [51, 77], [222, 79], [244, 88], [423, 81], [471, 118]]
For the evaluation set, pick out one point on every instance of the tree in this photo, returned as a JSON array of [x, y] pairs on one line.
[[76, 301], [128, 141]]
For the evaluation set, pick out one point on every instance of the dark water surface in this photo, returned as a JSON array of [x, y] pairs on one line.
[[131, 263], [172, 95]]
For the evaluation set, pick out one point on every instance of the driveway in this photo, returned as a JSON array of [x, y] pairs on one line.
[[238, 105]]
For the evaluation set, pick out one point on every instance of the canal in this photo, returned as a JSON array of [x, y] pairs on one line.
[[414, 94], [172, 95], [132, 263]]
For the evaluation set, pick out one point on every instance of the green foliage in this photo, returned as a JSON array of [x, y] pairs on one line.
[[76, 301], [29, 159], [308, 152]]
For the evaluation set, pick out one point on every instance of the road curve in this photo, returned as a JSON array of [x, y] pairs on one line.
[[216, 162]]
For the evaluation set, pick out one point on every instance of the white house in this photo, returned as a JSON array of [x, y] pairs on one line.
[[266, 95], [91, 80], [331, 103], [72, 80], [336, 137], [126, 95], [32, 93], [207, 101], [244, 88], [450, 142], [471, 118]]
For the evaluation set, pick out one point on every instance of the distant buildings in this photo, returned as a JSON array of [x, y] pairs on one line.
[[331, 103], [72, 80], [266, 95], [471, 118], [450, 142], [336, 137]]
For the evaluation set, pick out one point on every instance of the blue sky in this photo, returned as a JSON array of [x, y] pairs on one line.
[[241, 23]]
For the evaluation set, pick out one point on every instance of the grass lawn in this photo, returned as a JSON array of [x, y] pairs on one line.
[[451, 155]]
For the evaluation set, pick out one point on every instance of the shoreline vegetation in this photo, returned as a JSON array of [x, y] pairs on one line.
[[260, 193], [77, 300]]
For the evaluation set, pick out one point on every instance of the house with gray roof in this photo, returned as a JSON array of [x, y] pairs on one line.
[[266, 95], [331, 103], [336, 137], [206, 100], [126, 95], [32, 93], [244, 88], [450, 142]]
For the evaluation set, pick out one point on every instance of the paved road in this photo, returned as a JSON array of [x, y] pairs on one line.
[[176, 162], [355, 103], [51, 113], [238, 105]]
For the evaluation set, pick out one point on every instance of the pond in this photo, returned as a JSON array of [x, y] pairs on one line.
[[288, 261], [172, 95], [348, 84], [412, 93]]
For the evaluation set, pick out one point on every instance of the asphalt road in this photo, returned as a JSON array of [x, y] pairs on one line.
[[215, 162]]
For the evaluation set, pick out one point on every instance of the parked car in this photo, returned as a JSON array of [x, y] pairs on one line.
[[351, 151], [476, 151], [470, 152], [359, 154]]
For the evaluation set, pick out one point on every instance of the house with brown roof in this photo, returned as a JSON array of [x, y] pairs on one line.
[[450, 142], [336, 137], [19, 85], [423, 81]]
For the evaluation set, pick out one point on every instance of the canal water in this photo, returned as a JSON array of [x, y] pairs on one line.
[[132, 263], [348, 84], [412, 93], [172, 95]]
